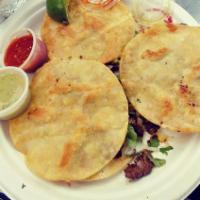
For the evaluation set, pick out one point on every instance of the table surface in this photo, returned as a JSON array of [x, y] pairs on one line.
[[193, 7]]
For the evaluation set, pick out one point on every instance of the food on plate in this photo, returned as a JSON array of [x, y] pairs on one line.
[[75, 128], [142, 143], [93, 33], [128, 159], [76, 122], [58, 10], [25, 50], [135, 162], [160, 73], [14, 92]]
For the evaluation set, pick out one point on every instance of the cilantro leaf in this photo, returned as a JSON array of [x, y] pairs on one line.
[[158, 162], [131, 142], [131, 134], [153, 142], [165, 150]]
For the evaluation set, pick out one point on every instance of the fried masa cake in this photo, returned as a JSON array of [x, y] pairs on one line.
[[76, 122], [114, 167], [93, 33], [160, 71]]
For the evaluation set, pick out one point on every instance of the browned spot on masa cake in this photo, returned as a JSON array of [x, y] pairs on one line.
[[154, 55], [67, 152], [172, 27], [151, 32], [196, 68], [36, 112], [92, 22], [167, 107], [60, 89], [67, 31]]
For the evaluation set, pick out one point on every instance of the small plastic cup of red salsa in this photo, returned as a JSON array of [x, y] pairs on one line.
[[25, 50]]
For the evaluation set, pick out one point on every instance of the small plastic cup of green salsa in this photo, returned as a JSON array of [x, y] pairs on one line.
[[14, 92]]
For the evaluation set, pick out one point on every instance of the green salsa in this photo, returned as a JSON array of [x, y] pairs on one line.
[[11, 88]]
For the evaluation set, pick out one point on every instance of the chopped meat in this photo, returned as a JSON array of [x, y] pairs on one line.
[[150, 127], [114, 65], [140, 167], [132, 111], [140, 124], [139, 130], [119, 154], [132, 119], [135, 121]]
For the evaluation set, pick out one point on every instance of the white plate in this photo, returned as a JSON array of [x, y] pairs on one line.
[[173, 181]]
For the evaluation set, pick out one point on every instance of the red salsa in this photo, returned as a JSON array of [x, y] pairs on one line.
[[18, 51]]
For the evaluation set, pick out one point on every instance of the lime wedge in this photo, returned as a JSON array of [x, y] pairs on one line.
[[58, 10]]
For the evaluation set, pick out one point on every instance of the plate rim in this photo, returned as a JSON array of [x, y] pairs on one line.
[[3, 28]]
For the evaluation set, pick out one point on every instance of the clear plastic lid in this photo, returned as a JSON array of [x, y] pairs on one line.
[[149, 12]]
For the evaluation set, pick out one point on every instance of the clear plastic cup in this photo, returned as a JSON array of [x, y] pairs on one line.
[[7, 7], [149, 12]]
